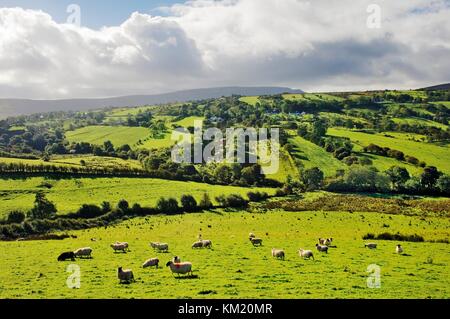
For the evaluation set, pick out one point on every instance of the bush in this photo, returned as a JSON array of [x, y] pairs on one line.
[[106, 207], [189, 203], [15, 217], [257, 196], [167, 206], [396, 237], [280, 192], [43, 208], [123, 205], [232, 200], [205, 202], [89, 211]]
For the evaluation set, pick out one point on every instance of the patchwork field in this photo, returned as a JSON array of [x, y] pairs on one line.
[[136, 137], [70, 194], [430, 153], [234, 268]]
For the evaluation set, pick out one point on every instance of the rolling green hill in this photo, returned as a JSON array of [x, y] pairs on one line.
[[70, 194], [311, 155], [430, 153]]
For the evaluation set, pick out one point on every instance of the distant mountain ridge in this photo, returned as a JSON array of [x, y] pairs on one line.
[[14, 107], [445, 86]]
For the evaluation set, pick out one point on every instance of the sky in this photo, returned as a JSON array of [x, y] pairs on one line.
[[154, 46]]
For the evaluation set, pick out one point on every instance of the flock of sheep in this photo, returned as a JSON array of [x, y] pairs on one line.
[[126, 275], [185, 268]]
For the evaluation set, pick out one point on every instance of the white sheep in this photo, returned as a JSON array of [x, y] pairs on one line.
[[151, 262], [325, 241], [197, 244], [399, 249], [370, 245], [322, 248], [125, 275], [306, 253], [278, 253], [160, 246], [180, 268], [119, 246], [83, 252], [206, 243], [256, 241]]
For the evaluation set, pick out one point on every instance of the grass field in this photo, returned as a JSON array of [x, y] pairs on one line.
[[419, 121], [75, 161], [312, 96], [70, 194], [250, 99], [286, 167], [312, 155], [234, 268], [383, 163], [118, 135], [121, 135], [430, 153], [445, 103]]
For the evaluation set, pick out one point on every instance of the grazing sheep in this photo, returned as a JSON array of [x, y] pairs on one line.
[[306, 253], [325, 241], [83, 252], [197, 244], [322, 248], [176, 260], [119, 247], [399, 249], [278, 253], [251, 235], [160, 246], [207, 243], [371, 245], [180, 268], [151, 262], [125, 275], [256, 241], [67, 255]]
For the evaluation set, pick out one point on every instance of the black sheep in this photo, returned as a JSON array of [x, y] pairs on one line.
[[67, 255]]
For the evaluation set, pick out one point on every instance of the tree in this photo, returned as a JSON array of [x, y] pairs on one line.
[[443, 183], [398, 176], [108, 147], [43, 208], [223, 174], [167, 206], [89, 211], [123, 205], [312, 178], [106, 207], [205, 202], [188, 202], [429, 177], [252, 174], [15, 217]]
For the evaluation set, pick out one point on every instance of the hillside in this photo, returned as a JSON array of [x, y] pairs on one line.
[[445, 86], [355, 167], [14, 107]]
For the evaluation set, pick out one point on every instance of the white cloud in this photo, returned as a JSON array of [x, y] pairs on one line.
[[316, 45]]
